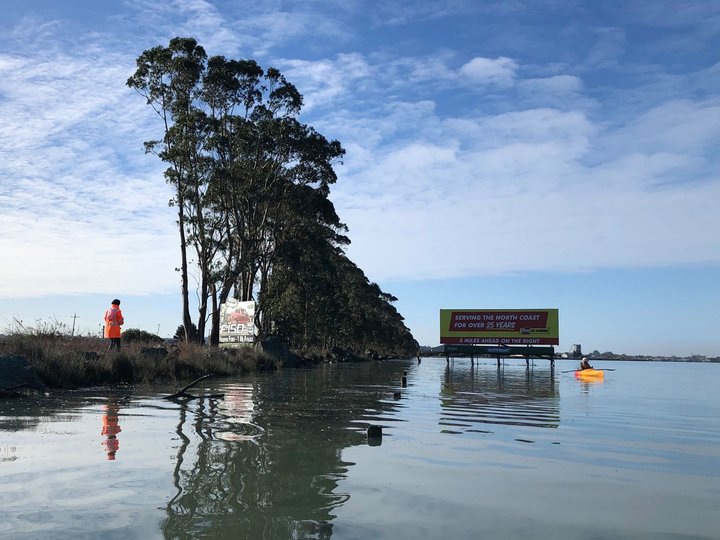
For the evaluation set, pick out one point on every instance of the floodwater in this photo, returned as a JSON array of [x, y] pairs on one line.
[[468, 451]]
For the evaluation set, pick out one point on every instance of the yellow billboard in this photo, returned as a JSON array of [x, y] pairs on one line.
[[499, 326]]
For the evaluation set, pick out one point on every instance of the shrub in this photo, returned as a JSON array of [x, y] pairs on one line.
[[134, 335], [180, 333]]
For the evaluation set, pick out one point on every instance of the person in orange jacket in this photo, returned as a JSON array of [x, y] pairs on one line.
[[113, 321]]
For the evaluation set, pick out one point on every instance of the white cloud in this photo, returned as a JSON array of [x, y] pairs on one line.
[[82, 209], [540, 179], [491, 71], [241, 28], [535, 188], [323, 82], [517, 192], [674, 126]]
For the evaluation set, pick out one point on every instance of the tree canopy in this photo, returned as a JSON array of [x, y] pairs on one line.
[[251, 188]]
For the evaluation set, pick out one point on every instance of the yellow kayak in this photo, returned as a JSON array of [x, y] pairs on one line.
[[589, 374]]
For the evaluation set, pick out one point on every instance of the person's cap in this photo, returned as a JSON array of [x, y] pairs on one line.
[[115, 302], [584, 357]]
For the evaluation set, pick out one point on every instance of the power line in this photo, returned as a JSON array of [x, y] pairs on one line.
[[75, 316]]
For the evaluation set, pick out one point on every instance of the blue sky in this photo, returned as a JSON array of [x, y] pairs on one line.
[[500, 154]]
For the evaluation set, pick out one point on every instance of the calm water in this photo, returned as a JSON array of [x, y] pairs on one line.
[[467, 452]]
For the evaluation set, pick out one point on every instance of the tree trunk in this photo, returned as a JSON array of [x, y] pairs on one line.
[[187, 320], [215, 318]]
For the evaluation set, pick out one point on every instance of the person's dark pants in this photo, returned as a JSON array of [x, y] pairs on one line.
[[114, 343]]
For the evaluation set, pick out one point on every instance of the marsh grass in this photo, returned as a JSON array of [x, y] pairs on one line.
[[62, 361]]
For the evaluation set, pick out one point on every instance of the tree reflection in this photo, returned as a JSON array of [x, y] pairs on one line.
[[266, 461]]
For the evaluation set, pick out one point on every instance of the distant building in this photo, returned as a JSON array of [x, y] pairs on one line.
[[576, 351]]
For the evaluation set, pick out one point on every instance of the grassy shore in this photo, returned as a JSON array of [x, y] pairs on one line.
[[72, 362]]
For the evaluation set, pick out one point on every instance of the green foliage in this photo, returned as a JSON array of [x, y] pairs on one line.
[[180, 333], [252, 188], [318, 298], [134, 335]]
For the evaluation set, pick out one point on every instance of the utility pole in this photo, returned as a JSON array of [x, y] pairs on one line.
[[158, 330], [75, 316]]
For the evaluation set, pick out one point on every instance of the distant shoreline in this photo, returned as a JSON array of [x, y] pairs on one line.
[[691, 359], [696, 359]]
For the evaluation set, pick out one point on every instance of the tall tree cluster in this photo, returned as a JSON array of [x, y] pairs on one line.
[[251, 186]]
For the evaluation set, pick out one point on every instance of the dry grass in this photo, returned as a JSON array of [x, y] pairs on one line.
[[71, 362]]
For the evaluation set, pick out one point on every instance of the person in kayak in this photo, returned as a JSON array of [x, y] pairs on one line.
[[584, 364]]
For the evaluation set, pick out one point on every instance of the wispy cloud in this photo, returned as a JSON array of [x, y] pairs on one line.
[[460, 162], [324, 82], [531, 189], [401, 12], [82, 209], [608, 48], [246, 29], [499, 71]]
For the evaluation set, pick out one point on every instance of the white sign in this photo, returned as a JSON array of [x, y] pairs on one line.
[[237, 323]]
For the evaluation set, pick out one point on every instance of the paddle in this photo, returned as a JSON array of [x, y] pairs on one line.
[[596, 369]]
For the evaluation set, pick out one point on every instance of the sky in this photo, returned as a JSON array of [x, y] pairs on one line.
[[509, 154]]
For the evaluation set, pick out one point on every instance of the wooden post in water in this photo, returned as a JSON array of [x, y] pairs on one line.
[[374, 435]]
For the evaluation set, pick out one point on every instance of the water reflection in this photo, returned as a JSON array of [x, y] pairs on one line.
[[110, 429], [265, 462], [585, 386], [28, 413], [285, 455], [473, 395]]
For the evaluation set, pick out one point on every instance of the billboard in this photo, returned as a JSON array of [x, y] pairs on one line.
[[237, 323], [499, 326]]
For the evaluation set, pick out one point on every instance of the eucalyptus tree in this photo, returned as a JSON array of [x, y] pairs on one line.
[[301, 294], [263, 154], [236, 152], [168, 77], [319, 298], [251, 187], [368, 319]]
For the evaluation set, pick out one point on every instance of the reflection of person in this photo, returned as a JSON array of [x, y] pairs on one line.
[[110, 429], [113, 321], [584, 364]]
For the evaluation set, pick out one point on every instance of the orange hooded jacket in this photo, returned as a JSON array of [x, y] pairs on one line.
[[113, 321]]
